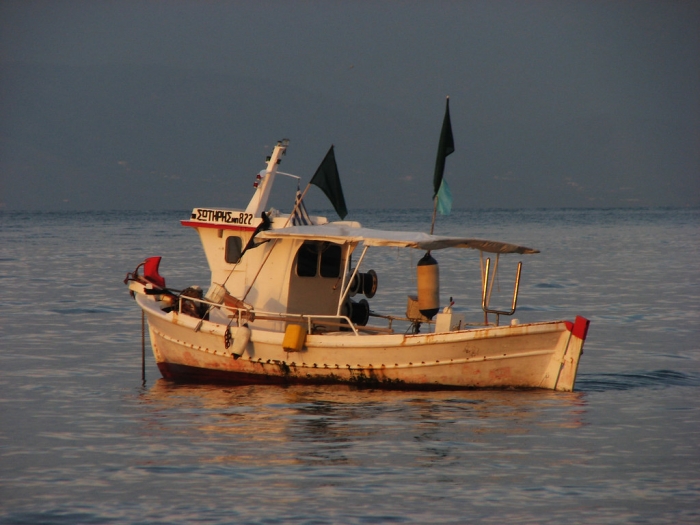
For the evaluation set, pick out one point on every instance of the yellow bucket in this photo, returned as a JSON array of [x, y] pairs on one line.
[[294, 338]]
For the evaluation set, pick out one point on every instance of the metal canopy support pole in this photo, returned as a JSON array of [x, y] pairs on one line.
[[494, 276], [345, 291], [274, 243], [348, 255]]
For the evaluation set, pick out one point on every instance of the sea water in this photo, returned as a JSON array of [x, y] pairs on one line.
[[83, 440]]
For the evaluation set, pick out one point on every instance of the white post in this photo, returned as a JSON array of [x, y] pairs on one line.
[[259, 201]]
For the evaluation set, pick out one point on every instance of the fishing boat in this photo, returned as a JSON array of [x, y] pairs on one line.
[[287, 302]]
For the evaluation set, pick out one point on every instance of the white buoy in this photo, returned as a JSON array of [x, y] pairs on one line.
[[240, 342]]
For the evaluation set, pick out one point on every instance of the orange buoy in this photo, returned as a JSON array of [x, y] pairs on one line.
[[428, 277]]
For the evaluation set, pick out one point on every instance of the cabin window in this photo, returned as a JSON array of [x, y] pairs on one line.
[[307, 260], [234, 247], [330, 260], [319, 258]]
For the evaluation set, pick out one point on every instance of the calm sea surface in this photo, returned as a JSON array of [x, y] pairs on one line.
[[82, 440]]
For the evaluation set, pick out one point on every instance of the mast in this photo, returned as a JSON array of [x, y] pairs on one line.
[[259, 201]]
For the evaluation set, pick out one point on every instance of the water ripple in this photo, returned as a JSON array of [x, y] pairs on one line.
[[82, 440], [627, 381]]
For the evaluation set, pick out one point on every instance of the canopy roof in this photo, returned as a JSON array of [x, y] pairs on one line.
[[344, 233]]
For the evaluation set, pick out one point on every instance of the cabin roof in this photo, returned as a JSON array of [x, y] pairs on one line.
[[343, 233]]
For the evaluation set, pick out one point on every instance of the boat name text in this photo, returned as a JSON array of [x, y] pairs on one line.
[[228, 217]]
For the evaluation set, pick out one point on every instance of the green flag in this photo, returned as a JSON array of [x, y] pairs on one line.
[[445, 148], [327, 178], [444, 199]]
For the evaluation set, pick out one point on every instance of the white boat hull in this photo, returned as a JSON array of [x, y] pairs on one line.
[[536, 355]]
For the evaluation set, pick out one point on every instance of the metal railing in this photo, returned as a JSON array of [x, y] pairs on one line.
[[247, 313], [486, 293]]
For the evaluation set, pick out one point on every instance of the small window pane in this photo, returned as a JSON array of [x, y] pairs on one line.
[[234, 246], [307, 260], [330, 261]]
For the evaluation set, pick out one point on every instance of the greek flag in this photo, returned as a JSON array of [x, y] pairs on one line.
[[300, 217]]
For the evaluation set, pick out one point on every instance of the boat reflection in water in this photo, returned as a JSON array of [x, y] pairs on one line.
[[265, 425]]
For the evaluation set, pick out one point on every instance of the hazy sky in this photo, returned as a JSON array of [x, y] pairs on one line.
[[566, 103]]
